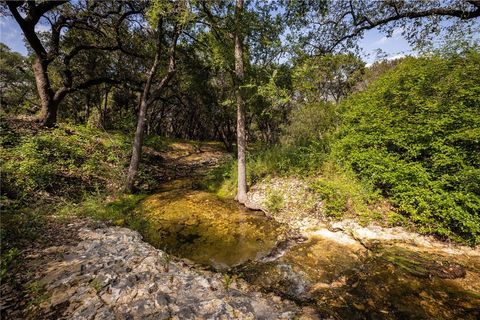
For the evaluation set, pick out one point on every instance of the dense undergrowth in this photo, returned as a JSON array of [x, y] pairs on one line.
[[411, 139], [70, 170], [414, 134]]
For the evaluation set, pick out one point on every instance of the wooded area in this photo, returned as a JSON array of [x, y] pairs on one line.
[[109, 88]]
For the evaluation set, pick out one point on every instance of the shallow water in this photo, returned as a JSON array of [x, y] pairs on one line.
[[338, 277], [348, 282], [197, 225]]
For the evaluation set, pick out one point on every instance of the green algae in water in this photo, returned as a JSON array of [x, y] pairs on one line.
[[203, 228], [346, 282]]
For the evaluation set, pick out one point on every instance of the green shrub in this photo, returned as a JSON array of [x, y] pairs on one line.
[[222, 180], [274, 202], [119, 211], [311, 124], [343, 194], [44, 170], [277, 160], [414, 134], [51, 160], [7, 258], [156, 142]]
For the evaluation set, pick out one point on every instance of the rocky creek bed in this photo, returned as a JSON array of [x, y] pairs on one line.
[[113, 274], [341, 270], [201, 257]]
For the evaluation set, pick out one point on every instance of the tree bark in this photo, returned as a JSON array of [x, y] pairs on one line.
[[105, 107], [139, 133], [147, 99], [239, 75], [48, 113]]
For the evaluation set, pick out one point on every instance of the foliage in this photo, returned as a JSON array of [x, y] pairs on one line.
[[51, 160], [274, 201], [411, 135], [16, 82], [42, 171], [7, 258], [343, 194], [119, 211], [304, 147], [222, 179], [325, 26], [312, 124], [156, 142], [276, 160], [414, 134], [328, 77]]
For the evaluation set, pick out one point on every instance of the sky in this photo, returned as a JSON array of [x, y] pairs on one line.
[[394, 47]]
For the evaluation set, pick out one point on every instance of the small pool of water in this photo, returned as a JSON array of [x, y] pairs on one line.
[[197, 225]]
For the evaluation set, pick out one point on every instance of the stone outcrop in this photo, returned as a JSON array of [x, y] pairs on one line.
[[113, 274]]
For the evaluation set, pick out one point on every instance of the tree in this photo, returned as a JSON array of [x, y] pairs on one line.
[[159, 14], [240, 77], [329, 77], [339, 24], [16, 81], [251, 34], [102, 21]]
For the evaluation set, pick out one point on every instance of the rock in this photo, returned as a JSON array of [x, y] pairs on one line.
[[112, 273]]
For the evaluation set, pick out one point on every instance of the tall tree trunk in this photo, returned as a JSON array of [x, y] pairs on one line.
[[239, 75], [49, 106], [87, 107], [146, 100], [105, 107], [139, 133]]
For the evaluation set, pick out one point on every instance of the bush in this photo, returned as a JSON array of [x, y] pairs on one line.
[[414, 134], [342, 194], [44, 170], [52, 160], [274, 202], [120, 211], [312, 124], [7, 259]]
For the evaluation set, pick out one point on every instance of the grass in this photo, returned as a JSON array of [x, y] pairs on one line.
[[263, 162], [342, 193], [274, 202], [67, 171], [222, 180], [119, 211]]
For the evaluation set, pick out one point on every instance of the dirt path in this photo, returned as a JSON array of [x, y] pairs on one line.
[[184, 160]]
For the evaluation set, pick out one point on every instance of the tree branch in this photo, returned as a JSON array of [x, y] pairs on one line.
[[364, 23], [171, 68]]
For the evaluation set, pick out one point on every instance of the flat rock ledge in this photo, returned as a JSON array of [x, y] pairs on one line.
[[113, 274]]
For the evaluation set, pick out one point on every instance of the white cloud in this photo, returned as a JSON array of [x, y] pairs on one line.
[[396, 34], [389, 58], [397, 56]]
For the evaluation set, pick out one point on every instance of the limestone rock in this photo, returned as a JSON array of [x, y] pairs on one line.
[[113, 274]]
